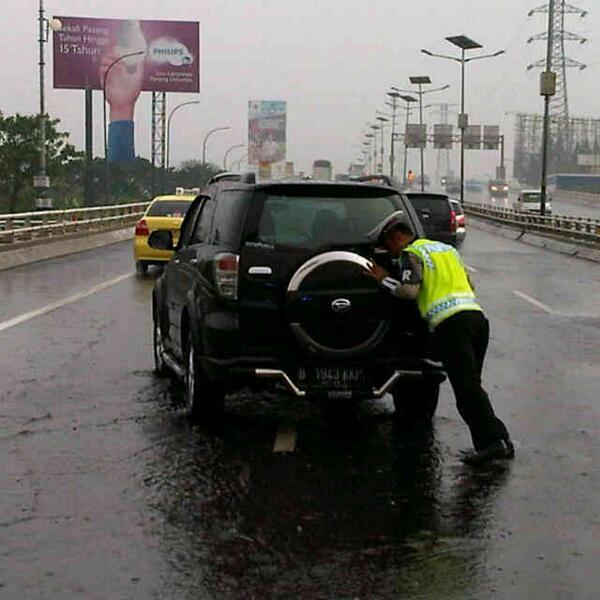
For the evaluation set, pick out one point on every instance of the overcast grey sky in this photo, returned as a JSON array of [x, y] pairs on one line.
[[332, 60]]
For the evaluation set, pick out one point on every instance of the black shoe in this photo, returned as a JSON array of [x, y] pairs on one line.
[[500, 449]]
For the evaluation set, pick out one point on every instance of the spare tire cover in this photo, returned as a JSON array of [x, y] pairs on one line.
[[334, 309]]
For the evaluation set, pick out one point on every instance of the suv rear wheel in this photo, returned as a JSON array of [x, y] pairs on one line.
[[203, 397], [416, 401]]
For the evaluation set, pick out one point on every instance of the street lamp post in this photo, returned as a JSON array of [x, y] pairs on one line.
[[547, 90], [464, 43], [394, 106], [239, 162], [229, 150], [375, 129], [367, 154], [106, 163], [420, 81], [168, 152], [206, 140], [42, 182], [409, 100], [383, 121]]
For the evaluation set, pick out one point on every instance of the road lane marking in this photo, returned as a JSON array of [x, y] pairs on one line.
[[32, 314], [537, 303], [285, 441]]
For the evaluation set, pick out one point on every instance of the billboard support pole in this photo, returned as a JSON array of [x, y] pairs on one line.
[[87, 193]]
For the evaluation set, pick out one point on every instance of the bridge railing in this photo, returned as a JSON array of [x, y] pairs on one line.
[[573, 228], [17, 227]]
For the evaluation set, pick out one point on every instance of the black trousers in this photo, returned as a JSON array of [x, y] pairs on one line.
[[461, 342]]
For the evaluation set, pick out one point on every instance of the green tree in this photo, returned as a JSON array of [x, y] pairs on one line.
[[20, 156]]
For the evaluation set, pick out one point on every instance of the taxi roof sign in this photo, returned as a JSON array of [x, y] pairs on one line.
[[181, 191]]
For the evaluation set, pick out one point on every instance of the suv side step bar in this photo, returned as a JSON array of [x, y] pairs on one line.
[[377, 392]]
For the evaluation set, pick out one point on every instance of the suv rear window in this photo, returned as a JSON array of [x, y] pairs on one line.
[[436, 205], [168, 208], [532, 198], [313, 221]]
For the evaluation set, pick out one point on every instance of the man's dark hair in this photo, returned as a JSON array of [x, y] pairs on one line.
[[400, 227]]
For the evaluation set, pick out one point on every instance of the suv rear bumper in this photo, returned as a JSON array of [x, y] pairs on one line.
[[380, 376]]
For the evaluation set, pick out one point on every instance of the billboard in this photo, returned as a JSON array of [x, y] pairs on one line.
[[415, 135], [266, 132], [491, 137], [442, 136], [168, 60], [473, 137]]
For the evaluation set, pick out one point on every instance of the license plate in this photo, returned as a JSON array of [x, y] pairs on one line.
[[331, 377]]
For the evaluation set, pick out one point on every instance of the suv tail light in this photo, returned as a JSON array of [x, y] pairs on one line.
[[460, 220], [141, 228], [226, 274], [452, 220]]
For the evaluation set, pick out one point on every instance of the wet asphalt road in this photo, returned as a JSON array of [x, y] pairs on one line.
[[107, 491]]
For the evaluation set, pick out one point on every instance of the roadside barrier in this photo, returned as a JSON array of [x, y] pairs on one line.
[[45, 225], [565, 227]]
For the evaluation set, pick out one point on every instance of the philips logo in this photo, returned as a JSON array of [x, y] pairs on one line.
[[341, 305]]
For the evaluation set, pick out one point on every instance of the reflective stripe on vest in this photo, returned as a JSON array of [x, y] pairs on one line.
[[445, 288]]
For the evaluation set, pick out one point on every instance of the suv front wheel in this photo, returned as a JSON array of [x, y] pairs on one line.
[[416, 401], [203, 398]]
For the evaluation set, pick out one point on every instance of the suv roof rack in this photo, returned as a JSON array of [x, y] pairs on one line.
[[224, 176]]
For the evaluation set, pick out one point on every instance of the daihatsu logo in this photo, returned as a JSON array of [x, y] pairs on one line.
[[341, 305]]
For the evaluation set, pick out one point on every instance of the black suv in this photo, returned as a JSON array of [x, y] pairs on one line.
[[267, 287], [438, 217]]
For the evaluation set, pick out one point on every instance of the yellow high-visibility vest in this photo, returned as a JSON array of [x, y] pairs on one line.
[[445, 288]]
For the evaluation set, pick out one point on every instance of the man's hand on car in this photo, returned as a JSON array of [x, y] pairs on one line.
[[376, 272]]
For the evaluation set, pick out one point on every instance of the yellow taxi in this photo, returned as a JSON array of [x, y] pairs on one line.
[[164, 212]]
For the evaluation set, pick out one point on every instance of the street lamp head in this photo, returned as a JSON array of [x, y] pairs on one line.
[[408, 99], [393, 94], [420, 79], [423, 51], [463, 42], [382, 119], [499, 53]]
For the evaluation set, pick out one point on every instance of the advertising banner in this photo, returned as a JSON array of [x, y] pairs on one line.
[[415, 135], [442, 136], [266, 132], [167, 59], [473, 137], [491, 137]]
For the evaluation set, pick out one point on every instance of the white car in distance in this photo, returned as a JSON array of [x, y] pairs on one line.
[[530, 201]]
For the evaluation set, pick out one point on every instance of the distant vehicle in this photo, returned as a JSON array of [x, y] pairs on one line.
[[498, 188], [473, 186], [452, 186], [437, 216], [530, 201], [461, 231], [322, 170], [164, 212]]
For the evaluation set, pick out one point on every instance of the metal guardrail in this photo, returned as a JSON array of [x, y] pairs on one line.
[[17, 227], [563, 226]]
